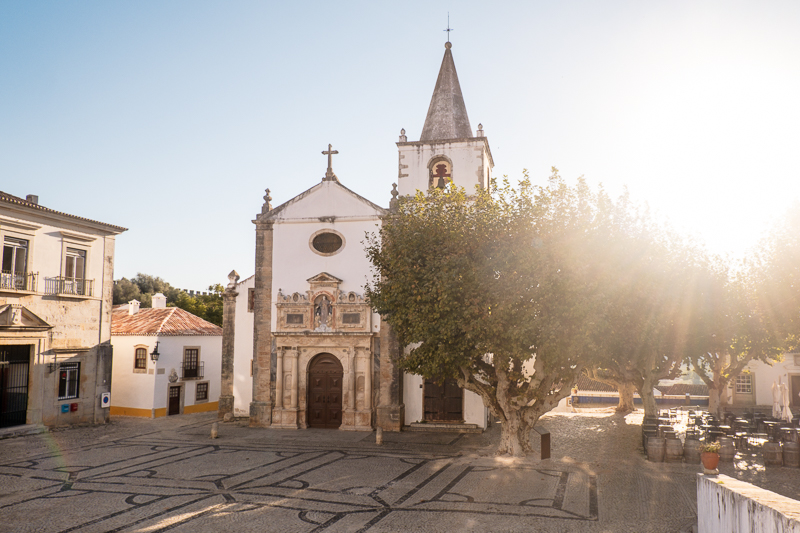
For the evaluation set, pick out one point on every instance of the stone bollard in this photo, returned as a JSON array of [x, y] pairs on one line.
[[228, 417], [379, 436], [214, 430]]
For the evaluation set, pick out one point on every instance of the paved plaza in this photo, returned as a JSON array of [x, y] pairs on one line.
[[141, 475]]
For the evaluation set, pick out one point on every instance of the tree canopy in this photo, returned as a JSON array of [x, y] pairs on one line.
[[142, 287], [495, 289]]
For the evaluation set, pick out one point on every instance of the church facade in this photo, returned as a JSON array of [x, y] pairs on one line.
[[301, 346]]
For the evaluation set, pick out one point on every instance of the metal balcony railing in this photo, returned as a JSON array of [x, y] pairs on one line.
[[72, 286], [192, 371], [18, 281]]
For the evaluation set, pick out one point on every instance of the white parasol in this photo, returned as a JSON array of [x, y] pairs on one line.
[[776, 400], [786, 414]]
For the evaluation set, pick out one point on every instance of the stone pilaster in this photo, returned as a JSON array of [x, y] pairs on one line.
[[261, 406], [228, 336], [391, 411]]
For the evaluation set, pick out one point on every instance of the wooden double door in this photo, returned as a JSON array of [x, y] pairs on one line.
[[325, 392], [443, 401]]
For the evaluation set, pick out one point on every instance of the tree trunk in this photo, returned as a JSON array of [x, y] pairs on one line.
[[625, 397], [515, 438], [648, 401]]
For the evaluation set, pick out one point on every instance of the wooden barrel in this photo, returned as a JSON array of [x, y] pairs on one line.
[[656, 448], [791, 454], [674, 451], [691, 451], [648, 435], [727, 449], [773, 454]]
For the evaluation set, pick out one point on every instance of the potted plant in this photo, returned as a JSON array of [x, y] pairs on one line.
[[709, 456]]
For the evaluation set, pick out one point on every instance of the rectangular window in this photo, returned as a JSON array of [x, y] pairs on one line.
[[140, 361], [293, 318], [201, 392], [15, 263], [251, 300], [75, 271], [69, 376], [744, 384], [191, 362], [351, 318]]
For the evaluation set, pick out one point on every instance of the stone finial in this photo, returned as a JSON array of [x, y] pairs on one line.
[[267, 207], [393, 201], [233, 278], [480, 130], [403, 137]]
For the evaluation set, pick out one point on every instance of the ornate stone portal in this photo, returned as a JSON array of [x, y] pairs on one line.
[[323, 320]]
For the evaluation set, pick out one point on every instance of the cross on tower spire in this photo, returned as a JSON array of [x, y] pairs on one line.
[[449, 29], [329, 175]]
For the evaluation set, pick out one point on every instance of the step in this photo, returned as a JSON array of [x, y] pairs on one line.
[[443, 427], [18, 431]]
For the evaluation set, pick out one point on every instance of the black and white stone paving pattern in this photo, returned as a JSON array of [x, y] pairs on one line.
[[137, 475]]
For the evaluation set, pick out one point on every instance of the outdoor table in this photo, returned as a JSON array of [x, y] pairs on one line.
[[726, 429], [788, 434], [769, 428], [714, 434]]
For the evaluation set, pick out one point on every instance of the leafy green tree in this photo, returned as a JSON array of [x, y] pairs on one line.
[[730, 329], [495, 290], [647, 281], [143, 286], [125, 291]]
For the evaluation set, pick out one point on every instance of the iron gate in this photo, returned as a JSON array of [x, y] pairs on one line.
[[14, 366]]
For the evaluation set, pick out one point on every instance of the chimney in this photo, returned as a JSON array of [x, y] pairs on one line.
[[32, 198], [159, 301], [133, 307]]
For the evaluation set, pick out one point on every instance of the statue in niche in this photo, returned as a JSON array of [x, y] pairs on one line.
[[322, 313]]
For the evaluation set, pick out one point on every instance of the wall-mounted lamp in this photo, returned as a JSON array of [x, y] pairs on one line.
[[154, 354]]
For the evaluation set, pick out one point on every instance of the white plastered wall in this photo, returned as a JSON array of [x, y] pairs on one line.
[[243, 351], [131, 389], [470, 160]]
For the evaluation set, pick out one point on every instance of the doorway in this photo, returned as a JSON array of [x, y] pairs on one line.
[[174, 404], [325, 392], [14, 367], [794, 392], [443, 402]]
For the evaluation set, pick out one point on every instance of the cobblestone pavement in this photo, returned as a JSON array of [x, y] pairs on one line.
[[141, 475]]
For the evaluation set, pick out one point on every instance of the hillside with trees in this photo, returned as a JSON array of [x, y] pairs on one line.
[[142, 287]]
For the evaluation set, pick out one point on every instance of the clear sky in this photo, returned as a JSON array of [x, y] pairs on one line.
[[171, 118]]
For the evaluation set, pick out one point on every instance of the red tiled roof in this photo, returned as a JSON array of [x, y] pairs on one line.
[[588, 384], [10, 198], [681, 389], [162, 321]]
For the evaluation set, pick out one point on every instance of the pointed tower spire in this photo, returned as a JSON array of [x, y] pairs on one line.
[[447, 115]]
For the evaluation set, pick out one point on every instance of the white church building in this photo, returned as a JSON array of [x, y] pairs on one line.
[[301, 346]]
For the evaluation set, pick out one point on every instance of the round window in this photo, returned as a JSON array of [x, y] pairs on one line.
[[327, 243]]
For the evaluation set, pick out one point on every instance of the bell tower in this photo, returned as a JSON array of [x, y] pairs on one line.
[[447, 150]]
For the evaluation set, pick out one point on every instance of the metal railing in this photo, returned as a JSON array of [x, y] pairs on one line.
[[18, 281], [72, 286], [192, 371]]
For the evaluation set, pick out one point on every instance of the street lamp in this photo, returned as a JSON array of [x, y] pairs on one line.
[[154, 354]]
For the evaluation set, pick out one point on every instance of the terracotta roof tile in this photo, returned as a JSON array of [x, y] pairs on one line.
[[588, 384], [163, 321], [680, 389]]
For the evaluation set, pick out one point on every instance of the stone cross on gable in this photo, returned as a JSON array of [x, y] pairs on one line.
[[329, 175]]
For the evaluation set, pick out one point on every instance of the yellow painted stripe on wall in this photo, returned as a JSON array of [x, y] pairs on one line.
[[130, 411], [201, 408]]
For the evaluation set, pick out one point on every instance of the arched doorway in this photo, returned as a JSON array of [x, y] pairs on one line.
[[325, 392]]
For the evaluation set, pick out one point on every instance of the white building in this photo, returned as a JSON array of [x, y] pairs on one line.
[[317, 354], [166, 361], [753, 387], [56, 284]]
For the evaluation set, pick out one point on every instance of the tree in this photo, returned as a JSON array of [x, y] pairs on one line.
[[647, 282], [730, 330], [495, 290]]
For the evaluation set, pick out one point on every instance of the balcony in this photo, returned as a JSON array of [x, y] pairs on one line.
[[192, 370], [69, 286], [18, 281]]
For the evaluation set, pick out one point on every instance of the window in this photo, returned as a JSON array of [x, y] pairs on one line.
[[251, 300], [15, 263], [74, 271], [327, 243], [140, 359], [191, 363], [201, 392], [744, 384], [69, 375]]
